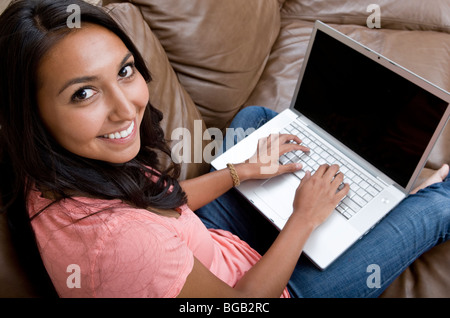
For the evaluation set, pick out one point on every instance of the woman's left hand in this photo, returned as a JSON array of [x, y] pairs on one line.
[[265, 164]]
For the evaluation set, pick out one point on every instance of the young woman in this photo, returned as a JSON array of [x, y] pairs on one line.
[[79, 163]]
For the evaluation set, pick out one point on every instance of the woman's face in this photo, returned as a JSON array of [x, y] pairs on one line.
[[91, 97]]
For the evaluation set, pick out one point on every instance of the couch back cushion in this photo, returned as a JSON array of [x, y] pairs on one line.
[[217, 48], [395, 14], [3, 5]]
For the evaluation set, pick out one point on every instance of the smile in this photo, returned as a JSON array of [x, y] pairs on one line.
[[121, 134]]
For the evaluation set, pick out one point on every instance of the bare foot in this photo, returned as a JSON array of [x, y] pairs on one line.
[[436, 177]]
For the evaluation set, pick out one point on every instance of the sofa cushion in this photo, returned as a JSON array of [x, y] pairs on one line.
[[395, 14], [426, 277], [218, 48], [277, 84], [166, 93], [3, 6]]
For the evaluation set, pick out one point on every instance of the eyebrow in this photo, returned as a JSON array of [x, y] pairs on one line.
[[85, 79]]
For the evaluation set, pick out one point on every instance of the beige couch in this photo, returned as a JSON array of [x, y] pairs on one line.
[[211, 58]]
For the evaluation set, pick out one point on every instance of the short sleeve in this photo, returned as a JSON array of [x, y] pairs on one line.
[[141, 259]]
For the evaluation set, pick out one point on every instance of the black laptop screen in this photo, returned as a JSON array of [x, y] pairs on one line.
[[384, 117]]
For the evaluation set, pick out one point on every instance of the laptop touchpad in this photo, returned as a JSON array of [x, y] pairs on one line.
[[278, 193]]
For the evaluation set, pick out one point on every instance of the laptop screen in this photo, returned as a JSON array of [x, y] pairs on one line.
[[382, 116]]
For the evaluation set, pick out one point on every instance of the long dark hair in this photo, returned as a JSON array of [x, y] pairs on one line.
[[29, 155]]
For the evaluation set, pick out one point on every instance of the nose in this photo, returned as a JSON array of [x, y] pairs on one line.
[[122, 109]]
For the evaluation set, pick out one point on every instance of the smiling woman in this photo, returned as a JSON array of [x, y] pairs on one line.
[[70, 99], [61, 107], [81, 180], [103, 102]]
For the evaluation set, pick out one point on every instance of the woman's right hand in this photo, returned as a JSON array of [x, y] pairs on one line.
[[318, 194]]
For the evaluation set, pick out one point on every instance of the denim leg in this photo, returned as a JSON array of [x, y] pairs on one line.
[[245, 122], [252, 117]]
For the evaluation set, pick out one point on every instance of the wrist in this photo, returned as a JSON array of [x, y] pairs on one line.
[[299, 218], [242, 171], [234, 175]]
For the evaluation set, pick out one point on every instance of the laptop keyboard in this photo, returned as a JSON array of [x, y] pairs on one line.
[[362, 187]]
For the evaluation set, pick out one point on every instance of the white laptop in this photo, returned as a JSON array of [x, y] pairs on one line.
[[358, 109]]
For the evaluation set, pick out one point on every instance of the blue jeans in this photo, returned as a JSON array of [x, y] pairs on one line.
[[418, 223]]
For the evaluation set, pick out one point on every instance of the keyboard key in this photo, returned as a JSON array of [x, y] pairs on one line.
[[368, 197], [361, 192], [377, 187], [363, 184], [290, 155], [284, 160], [352, 205], [372, 190], [358, 200], [300, 173]]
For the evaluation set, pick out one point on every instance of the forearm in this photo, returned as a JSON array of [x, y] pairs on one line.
[[270, 275], [206, 188]]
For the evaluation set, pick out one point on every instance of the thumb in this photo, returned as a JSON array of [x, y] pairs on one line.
[[292, 167], [306, 177]]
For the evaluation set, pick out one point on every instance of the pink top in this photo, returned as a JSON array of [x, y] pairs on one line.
[[128, 252]]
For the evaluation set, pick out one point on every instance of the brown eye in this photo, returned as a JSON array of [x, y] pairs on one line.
[[82, 94], [127, 71]]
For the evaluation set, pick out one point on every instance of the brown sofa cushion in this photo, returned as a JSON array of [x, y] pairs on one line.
[[277, 84], [166, 93], [217, 48], [3, 6], [427, 277], [398, 14]]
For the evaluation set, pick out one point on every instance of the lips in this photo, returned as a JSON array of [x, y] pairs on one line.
[[120, 134]]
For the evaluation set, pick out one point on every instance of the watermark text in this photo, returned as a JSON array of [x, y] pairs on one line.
[[374, 20], [74, 19]]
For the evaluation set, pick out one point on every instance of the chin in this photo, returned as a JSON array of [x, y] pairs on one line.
[[124, 156], [121, 160]]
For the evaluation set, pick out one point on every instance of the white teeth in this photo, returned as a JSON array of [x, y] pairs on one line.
[[121, 134]]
